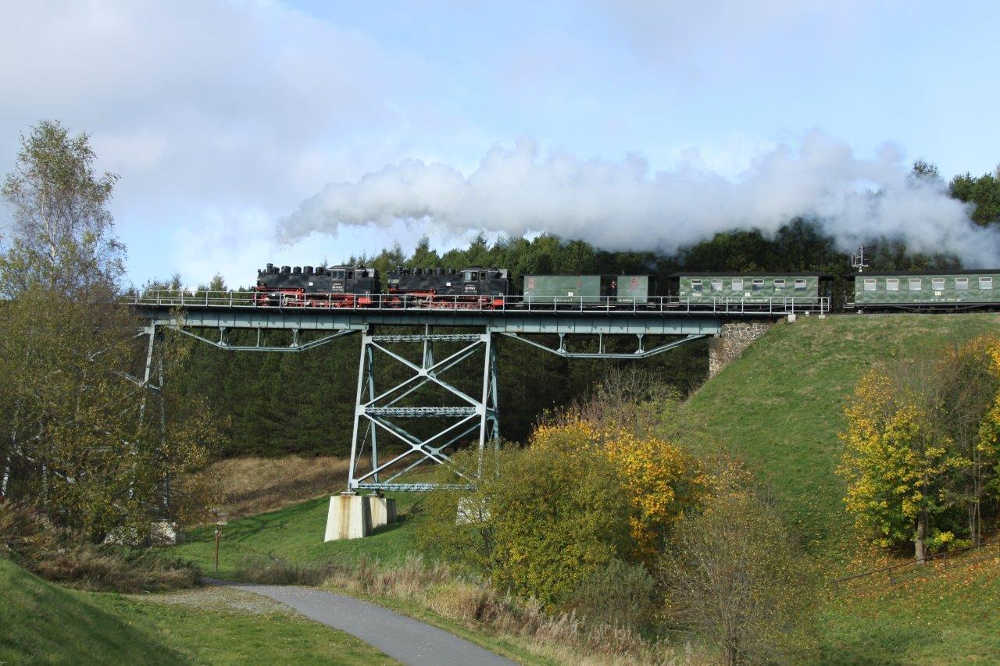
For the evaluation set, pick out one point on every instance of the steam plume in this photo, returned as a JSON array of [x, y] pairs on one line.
[[624, 205]]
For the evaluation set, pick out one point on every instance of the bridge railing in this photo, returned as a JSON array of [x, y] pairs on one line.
[[480, 302]]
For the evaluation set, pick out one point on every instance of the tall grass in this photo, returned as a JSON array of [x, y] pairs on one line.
[[463, 599], [249, 485]]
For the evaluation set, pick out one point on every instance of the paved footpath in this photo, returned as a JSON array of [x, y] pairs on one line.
[[400, 637]]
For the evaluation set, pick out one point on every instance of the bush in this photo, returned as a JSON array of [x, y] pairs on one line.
[[621, 594], [30, 539], [546, 518], [543, 520], [732, 575]]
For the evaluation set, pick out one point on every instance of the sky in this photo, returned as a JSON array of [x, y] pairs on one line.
[[310, 131]]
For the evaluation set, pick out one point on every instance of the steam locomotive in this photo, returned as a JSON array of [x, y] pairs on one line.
[[360, 286], [306, 286]]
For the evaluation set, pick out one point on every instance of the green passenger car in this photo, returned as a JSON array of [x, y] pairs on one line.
[[926, 290], [747, 287]]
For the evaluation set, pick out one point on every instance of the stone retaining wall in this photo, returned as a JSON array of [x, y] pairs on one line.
[[730, 343]]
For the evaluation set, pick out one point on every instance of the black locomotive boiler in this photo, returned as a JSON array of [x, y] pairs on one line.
[[320, 286], [480, 288]]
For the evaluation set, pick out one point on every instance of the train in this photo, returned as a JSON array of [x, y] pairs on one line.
[[489, 288]]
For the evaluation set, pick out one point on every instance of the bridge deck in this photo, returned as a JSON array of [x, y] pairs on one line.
[[510, 314]]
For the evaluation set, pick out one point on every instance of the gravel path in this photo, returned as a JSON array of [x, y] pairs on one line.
[[400, 637]]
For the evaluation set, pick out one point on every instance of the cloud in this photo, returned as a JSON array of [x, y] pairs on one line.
[[207, 110], [624, 204], [211, 100]]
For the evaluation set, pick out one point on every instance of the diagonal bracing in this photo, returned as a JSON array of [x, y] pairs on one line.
[[380, 412]]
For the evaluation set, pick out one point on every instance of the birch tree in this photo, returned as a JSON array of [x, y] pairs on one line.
[[74, 442]]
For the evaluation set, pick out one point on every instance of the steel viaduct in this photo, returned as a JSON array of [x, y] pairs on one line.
[[385, 329]]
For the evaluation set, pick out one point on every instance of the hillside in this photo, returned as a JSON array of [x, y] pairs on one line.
[[42, 623], [779, 407]]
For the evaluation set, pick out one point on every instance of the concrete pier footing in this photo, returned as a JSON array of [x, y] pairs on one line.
[[355, 516], [382, 510]]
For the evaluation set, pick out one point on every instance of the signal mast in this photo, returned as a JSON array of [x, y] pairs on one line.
[[858, 260]]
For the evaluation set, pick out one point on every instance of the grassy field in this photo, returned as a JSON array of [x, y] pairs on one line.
[[295, 534], [779, 407], [250, 485], [41, 623]]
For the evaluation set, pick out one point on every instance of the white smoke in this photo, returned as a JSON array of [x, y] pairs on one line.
[[624, 205]]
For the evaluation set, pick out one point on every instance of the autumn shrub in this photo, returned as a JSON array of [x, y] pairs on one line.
[[547, 518], [659, 480], [542, 520]]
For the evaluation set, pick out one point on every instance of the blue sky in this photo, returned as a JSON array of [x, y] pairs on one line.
[[297, 132]]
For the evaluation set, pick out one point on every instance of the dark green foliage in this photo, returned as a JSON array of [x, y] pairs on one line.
[[982, 192], [76, 442]]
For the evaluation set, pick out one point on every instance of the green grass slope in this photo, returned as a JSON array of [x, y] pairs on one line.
[[943, 613], [779, 407], [294, 535], [41, 623]]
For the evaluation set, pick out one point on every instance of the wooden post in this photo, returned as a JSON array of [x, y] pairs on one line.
[[218, 538]]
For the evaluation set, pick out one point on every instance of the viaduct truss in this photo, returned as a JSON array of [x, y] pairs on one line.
[[381, 411]]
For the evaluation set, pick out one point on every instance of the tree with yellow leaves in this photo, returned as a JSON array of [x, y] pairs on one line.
[[920, 449]]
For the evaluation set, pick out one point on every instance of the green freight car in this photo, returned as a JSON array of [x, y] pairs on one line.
[[632, 289], [921, 291], [562, 288], [586, 289], [703, 288]]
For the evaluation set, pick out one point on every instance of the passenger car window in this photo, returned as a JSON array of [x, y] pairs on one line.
[[986, 283], [870, 284], [738, 284], [961, 283], [716, 285], [937, 284], [779, 284], [800, 284], [758, 285], [695, 285], [892, 284], [915, 284]]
